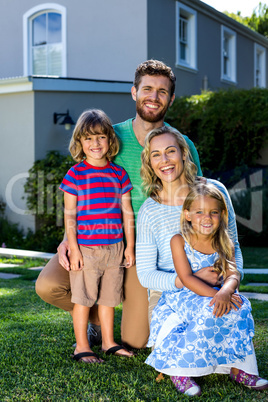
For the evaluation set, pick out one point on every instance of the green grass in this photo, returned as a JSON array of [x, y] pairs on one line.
[[35, 362], [23, 265], [255, 257], [35, 359]]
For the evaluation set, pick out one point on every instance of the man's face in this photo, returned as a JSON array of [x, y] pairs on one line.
[[153, 97]]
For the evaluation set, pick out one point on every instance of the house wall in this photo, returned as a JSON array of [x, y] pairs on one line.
[[119, 107], [162, 23], [17, 153], [105, 39], [112, 41]]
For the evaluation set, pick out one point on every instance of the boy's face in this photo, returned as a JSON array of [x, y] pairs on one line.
[[153, 97], [95, 146]]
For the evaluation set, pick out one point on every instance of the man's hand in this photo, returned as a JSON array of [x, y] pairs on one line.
[[208, 275], [63, 251]]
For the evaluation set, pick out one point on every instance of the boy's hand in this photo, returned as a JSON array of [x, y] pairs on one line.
[[76, 260], [224, 302], [63, 251], [129, 256]]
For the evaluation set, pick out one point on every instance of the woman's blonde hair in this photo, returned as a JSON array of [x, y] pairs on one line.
[[221, 241], [151, 183], [86, 124]]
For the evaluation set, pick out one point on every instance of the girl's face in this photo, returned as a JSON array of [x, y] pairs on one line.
[[204, 215], [166, 158], [95, 147]]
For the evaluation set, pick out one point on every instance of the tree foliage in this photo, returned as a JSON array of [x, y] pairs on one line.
[[258, 21]]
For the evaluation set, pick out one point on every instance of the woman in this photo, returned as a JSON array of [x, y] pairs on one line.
[[168, 175]]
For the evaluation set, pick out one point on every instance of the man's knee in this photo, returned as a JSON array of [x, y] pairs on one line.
[[45, 287], [53, 285]]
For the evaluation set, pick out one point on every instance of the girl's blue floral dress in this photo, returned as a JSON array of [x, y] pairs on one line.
[[189, 341]]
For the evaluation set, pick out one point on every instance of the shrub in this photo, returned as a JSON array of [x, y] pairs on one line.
[[229, 128], [45, 200]]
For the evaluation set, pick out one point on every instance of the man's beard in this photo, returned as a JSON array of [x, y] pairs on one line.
[[148, 116]]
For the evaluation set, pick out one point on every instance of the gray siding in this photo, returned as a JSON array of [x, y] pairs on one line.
[[162, 45], [49, 136]]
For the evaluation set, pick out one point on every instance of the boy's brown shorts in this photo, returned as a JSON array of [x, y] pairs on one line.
[[101, 278]]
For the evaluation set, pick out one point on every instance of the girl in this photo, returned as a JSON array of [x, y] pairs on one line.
[[97, 205], [203, 329]]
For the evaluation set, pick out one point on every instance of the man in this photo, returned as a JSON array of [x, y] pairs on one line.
[[153, 92]]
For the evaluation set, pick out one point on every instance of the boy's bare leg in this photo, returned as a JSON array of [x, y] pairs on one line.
[[80, 321], [106, 316]]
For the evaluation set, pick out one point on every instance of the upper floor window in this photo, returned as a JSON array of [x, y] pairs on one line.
[[259, 66], [228, 54], [45, 41], [186, 28]]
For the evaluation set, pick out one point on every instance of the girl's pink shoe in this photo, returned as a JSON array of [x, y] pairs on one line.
[[250, 380], [186, 385]]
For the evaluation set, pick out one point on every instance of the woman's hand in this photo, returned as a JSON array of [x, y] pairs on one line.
[[208, 275], [224, 302], [178, 283], [63, 253]]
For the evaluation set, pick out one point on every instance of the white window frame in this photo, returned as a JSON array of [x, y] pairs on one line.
[[27, 20], [261, 77], [191, 46], [230, 76]]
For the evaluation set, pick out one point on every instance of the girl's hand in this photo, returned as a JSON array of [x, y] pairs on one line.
[[236, 301], [76, 260], [224, 302], [129, 256]]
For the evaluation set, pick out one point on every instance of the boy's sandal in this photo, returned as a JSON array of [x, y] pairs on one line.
[[250, 380], [115, 351], [79, 357]]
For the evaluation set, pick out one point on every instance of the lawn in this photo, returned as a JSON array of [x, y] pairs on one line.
[[36, 341]]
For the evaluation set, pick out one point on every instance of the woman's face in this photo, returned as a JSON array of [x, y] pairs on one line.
[[166, 158]]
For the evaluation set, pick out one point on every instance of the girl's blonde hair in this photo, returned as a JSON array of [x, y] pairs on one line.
[[86, 124], [151, 183], [221, 241]]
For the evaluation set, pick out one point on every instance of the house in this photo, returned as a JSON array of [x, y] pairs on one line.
[[70, 56]]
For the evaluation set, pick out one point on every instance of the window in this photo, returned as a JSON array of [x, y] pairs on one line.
[[259, 66], [186, 28], [228, 54], [45, 41]]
